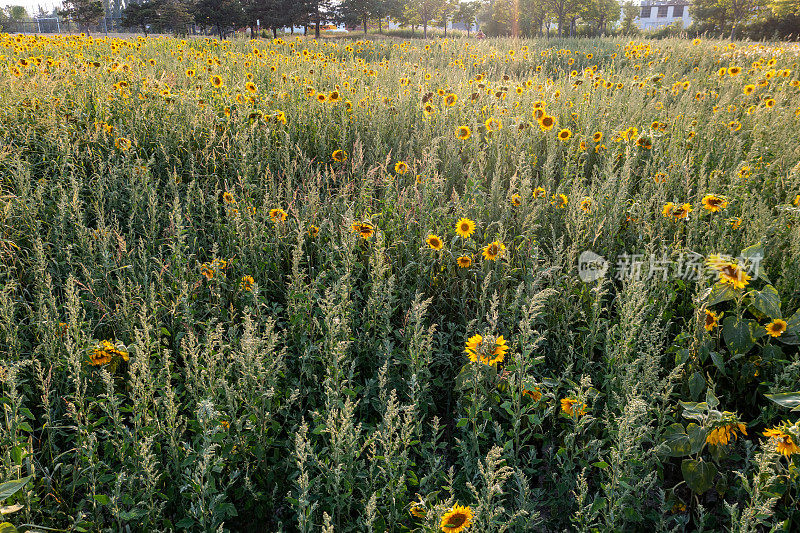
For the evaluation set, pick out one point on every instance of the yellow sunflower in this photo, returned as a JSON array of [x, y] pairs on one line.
[[586, 204], [564, 135], [729, 273], [401, 167], [247, 283], [572, 407], [313, 230], [714, 203], [539, 192], [365, 230], [776, 327], [339, 155], [712, 320], [216, 81], [516, 200], [464, 261], [435, 242], [493, 124], [783, 441], [494, 250], [457, 519], [122, 143], [721, 435], [547, 122], [465, 227], [450, 100], [277, 215], [681, 211], [463, 133]]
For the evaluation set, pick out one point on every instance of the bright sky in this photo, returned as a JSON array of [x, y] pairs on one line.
[[32, 5]]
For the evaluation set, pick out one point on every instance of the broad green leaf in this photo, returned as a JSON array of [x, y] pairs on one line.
[[696, 385], [7, 527], [699, 475], [792, 333], [768, 301], [8, 509], [786, 399], [9, 488], [754, 253], [721, 292], [697, 437], [739, 334], [678, 441]]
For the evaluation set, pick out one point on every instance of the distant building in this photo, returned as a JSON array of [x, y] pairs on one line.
[[658, 13]]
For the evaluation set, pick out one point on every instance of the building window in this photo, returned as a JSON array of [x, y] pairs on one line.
[[677, 11], [662, 11], [645, 12]]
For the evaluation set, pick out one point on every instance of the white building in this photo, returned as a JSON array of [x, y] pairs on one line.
[[657, 13]]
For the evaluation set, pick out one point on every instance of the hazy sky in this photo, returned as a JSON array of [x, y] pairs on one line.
[[32, 5]]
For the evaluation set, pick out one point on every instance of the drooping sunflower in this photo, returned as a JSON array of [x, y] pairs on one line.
[[714, 203], [313, 231], [721, 435], [783, 441], [560, 201], [516, 200], [776, 328], [711, 320], [277, 215], [365, 230], [494, 250], [564, 135], [435, 242], [107, 351], [463, 133], [539, 192], [667, 209], [417, 511], [122, 143], [464, 261], [586, 204], [457, 519], [465, 227], [401, 167], [339, 156]]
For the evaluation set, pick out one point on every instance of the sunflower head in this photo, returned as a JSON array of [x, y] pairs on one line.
[[401, 167], [494, 250], [277, 215], [457, 519], [465, 227], [516, 200], [714, 203], [776, 328], [464, 261], [564, 135], [711, 320], [434, 242], [365, 230], [463, 133], [339, 155]]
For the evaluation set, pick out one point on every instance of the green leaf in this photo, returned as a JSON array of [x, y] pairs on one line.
[[716, 358], [792, 333], [739, 334], [696, 385], [768, 301], [8, 509], [7, 527], [753, 253], [678, 441], [102, 499], [698, 475], [697, 437], [786, 399], [9, 488], [721, 292], [601, 464]]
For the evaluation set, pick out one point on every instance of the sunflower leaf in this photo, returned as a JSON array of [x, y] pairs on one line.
[[9, 488], [768, 301], [720, 292], [698, 475], [739, 334], [786, 399]]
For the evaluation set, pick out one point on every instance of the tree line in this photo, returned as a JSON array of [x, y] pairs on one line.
[[755, 19]]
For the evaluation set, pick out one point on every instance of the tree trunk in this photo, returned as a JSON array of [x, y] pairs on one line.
[[445, 28], [560, 23], [380, 25], [425, 29], [364, 18], [274, 32]]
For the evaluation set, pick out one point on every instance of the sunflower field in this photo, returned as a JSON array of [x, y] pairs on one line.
[[385, 285]]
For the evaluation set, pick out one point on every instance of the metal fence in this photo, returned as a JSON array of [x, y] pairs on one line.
[[58, 25]]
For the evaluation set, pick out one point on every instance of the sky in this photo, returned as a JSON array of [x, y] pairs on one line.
[[32, 5]]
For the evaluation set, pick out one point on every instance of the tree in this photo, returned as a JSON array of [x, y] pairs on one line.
[[18, 13], [351, 11], [601, 12], [84, 13], [467, 13], [220, 14], [143, 15], [785, 8], [630, 12]]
